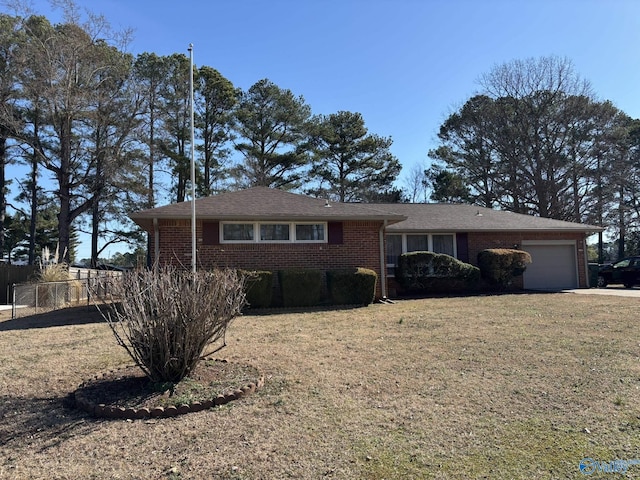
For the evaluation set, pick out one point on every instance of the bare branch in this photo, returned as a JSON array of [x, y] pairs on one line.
[[167, 317]]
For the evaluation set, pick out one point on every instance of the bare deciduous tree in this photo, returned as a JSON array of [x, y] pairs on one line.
[[416, 184], [531, 142]]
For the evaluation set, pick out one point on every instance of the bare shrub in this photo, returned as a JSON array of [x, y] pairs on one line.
[[167, 317], [50, 294]]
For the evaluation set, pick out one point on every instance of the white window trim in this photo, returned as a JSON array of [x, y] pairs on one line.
[[259, 239], [221, 233], [325, 229], [429, 244], [403, 248], [256, 232]]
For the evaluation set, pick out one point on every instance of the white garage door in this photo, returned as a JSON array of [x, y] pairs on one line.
[[553, 267]]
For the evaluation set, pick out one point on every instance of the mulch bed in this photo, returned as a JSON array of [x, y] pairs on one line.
[[128, 393]]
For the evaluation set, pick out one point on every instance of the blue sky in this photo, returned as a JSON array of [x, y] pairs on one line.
[[403, 64]]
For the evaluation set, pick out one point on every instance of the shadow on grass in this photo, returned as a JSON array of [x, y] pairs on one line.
[[278, 310], [45, 421], [81, 315]]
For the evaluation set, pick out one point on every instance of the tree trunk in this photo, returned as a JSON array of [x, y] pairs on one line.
[[95, 231], [621, 239], [98, 189], [33, 224], [64, 191], [3, 189]]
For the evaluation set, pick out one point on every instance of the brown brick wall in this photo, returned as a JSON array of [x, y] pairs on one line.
[[360, 248]]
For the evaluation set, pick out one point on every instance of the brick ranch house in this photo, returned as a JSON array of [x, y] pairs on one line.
[[558, 249], [267, 229]]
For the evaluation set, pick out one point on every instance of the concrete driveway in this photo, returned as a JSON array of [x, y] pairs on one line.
[[616, 290]]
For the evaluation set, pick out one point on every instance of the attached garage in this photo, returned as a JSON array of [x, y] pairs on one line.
[[553, 267]]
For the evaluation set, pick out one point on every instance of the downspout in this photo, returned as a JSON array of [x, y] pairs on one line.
[[383, 262], [586, 264], [156, 242]]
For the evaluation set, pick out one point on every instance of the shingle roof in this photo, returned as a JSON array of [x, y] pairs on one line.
[[441, 217], [265, 204]]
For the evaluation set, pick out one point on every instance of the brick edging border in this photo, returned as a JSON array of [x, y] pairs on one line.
[[101, 410]]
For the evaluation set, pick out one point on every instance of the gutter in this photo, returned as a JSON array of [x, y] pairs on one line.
[[383, 262]]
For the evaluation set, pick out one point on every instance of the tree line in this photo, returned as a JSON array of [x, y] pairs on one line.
[[105, 126], [536, 140]]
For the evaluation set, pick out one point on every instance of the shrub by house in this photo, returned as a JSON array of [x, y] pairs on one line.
[[300, 288], [259, 285], [435, 272], [499, 266], [353, 286]]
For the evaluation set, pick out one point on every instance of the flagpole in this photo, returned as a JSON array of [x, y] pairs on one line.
[[193, 165]]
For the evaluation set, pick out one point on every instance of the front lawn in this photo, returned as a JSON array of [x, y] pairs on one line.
[[506, 386]]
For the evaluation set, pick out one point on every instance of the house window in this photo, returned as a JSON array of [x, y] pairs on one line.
[[397, 244], [417, 243], [274, 232], [310, 232], [394, 250], [271, 232], [443, 244], [237, 232]]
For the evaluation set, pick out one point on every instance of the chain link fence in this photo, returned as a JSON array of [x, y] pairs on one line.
[[88, 287]]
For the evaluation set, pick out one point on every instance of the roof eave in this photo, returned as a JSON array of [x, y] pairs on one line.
[[589, 230], [146, 221]]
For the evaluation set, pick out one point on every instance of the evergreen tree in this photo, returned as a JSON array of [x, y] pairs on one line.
[[349, 163], [175, 111], [214, 100], [272, 129]]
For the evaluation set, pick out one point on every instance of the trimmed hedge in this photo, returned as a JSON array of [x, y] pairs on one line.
[[300, 288], [499, 266], [353, 286], [435, 272], [259, 288]]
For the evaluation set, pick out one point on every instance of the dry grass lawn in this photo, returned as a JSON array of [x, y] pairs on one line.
[[501, 387]]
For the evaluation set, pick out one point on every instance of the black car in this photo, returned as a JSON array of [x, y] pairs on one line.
[[626, 272]]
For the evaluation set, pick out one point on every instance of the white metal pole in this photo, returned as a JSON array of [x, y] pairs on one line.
[[193, 165]]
